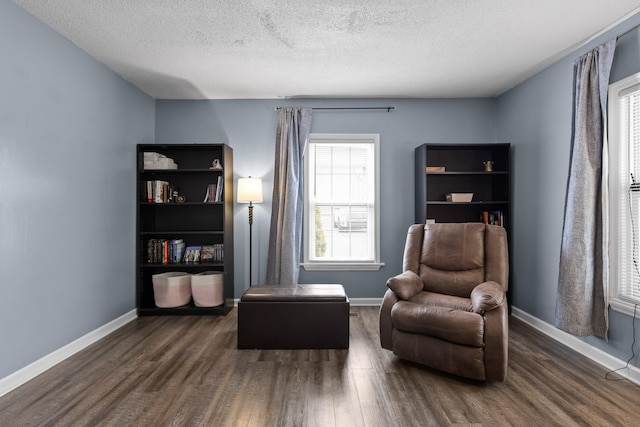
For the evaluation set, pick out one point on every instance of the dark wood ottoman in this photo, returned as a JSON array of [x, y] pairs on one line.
[[293, 317]]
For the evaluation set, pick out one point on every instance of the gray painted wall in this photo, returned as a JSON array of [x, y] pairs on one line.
[[68, 129], [249, 126], [536, 118]]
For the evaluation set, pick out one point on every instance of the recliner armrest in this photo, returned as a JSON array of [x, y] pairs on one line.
[[487, 296], [405, 285]]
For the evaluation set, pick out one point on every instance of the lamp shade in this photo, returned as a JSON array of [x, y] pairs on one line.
[[249, 190]]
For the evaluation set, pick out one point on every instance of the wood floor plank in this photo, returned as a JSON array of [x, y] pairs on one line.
[[187, 371], [319, 407]]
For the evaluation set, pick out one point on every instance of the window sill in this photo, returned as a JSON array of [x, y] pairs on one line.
[[342, 266], [624, 307]]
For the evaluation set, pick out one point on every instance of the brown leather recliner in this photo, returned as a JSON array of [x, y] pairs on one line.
[[448, 309]]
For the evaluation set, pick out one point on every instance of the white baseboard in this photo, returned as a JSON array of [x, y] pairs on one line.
[[365, 302], [34, 369], [608, 361]]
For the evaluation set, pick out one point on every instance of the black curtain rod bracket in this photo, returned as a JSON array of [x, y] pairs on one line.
[[635, 27]]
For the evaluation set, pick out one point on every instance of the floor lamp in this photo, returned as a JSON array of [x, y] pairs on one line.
[[250, 191]]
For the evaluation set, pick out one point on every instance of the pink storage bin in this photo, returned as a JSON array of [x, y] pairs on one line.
[[207, 288], [171, 289]]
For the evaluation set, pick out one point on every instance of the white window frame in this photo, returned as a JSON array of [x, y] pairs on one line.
[[309, 211], [618, 191]]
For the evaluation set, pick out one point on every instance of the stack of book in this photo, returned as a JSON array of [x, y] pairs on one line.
[[158, 191], [204, 253], [214, 191], [163, 251], [493, 218], [212, 253]]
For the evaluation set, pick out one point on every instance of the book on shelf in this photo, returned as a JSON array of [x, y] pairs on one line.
[[149, 188], [172, 193], [212, 253], [158, 191], [214, 191], [179, 249], [493, 217], [165, 251], [192, 254], [219, 188], [210, 196]]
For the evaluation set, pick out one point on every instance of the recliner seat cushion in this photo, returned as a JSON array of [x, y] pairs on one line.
[[462, 327], [442, 300]]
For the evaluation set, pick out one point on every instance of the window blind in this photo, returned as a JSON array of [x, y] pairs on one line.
[[629, 191]]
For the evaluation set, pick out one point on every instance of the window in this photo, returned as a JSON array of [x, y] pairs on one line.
[[624, 185], [341, 224]]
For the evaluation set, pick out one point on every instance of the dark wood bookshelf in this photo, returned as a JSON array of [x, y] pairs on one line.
[[464, 173], [195, 221]]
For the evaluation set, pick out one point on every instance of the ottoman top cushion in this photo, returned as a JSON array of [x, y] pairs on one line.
[[310, 293]]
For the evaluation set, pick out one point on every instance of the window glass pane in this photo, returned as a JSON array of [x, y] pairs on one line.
[[341, 233], [632, 289]]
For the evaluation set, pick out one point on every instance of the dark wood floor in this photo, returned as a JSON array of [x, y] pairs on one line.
[[187, 371]]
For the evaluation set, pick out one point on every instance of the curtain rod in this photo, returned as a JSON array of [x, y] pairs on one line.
[[349, 108], [635, 27]]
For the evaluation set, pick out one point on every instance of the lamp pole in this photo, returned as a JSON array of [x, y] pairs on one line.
[[250, 242], [250, 191]]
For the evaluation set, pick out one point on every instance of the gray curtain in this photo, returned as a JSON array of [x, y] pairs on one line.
[[581, 307], [285, 236]]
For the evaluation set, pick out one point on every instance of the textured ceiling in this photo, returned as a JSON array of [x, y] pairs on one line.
[[206, 49]]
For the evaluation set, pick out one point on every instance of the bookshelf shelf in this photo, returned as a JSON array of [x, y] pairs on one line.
[[469, 173], [156, 233], [181, 204], [487, 202], [180, 171], [183, 265]]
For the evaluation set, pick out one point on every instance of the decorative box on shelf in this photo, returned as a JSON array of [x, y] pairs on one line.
[[459, 197], [153, 160]]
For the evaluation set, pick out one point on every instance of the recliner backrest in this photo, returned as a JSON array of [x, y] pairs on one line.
[[452, 258]]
